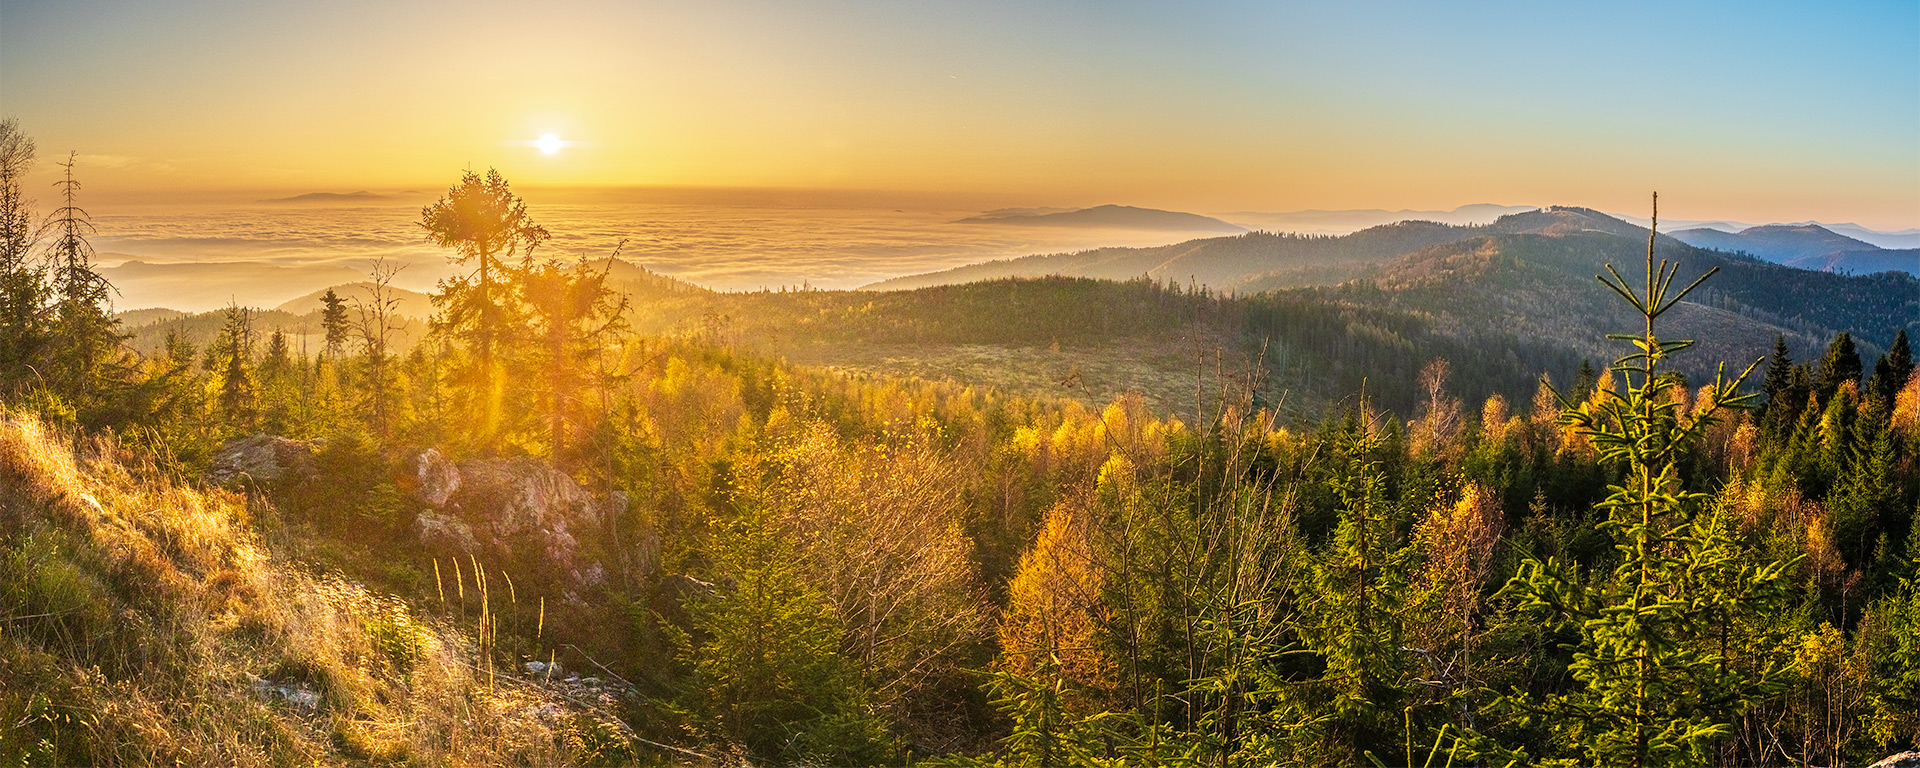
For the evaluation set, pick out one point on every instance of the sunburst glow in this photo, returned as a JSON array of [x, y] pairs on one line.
[[549, 144]]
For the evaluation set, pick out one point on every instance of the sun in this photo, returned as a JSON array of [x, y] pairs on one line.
[[548, 144]]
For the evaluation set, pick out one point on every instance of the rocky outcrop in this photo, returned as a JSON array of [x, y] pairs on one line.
[[435, 477], [1908, 759], [261, 460], [506, 507]]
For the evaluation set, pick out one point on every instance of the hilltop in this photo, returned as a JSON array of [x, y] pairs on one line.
[[1778, 243], [411, 303], [210, 285]]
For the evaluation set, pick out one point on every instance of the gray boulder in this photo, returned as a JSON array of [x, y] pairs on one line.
[[260, 459], [436, 477], [500, 505], [1908, 759]]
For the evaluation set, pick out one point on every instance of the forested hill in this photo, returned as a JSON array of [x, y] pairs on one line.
[[1775, 242], [731, 558], [1503, 307], [1217, 262], [1544, 284], [1533, 271], [1807, 246], [1265, 260], [1506, 302]]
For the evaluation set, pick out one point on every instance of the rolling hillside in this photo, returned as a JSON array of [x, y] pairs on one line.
[[1313, 315], [1862, 262], [1777, 243], [1219, 262], [1807, 246]]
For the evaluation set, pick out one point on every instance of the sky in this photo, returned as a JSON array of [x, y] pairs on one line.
[[1748, 111]]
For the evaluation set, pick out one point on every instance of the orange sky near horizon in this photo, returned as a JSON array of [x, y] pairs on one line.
[[1222, 107]]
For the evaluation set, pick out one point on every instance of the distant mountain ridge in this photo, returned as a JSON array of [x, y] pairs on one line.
[[1807, 246], [411, 303], [1904, 239], [1862, 262], [1110, 216], [1262, 260], [1340, 222], [1777, 243], [361, 196], [1529, 274]]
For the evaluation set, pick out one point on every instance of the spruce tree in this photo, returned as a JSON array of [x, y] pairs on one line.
[[1892, 370], [230, 359], [1840, 366], [84, 353], [486, 225], [1657, 680], [572, 314], [23, 327], [1779, 379], [333, 319], [278, 384], [1352, 605]]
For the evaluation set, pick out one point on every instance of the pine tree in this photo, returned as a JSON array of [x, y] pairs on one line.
[[486, 225], [1779, 380], [23, 326], [333, 318], [230, 359], [1840, 366], [1658, 681], [1892, 370], [87, 335], [572, 314]]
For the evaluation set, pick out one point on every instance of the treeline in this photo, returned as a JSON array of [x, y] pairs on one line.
[[1627, 569]]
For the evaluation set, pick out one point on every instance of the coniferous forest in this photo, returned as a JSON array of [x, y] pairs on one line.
[[548, 529]]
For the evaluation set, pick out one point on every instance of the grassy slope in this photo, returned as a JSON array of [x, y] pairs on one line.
[[143, 622]]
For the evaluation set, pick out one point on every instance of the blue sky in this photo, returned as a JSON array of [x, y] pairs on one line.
[[1750, 111]]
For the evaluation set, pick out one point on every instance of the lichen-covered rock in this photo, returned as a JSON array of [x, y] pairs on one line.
[[260, 459], [520, 496], [513, 508], [441, 530], [435, 477], [1908, 759]]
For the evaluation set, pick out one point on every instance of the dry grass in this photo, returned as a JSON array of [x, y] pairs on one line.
[[143, 622]]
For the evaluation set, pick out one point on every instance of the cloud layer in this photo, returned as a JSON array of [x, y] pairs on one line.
[[198, 259]]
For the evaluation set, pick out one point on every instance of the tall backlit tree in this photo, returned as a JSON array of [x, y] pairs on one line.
[[486, 225], [571, 312], [86, 335], [22, 285]]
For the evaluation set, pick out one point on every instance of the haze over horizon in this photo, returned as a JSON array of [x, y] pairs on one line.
[[1744, 112]]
